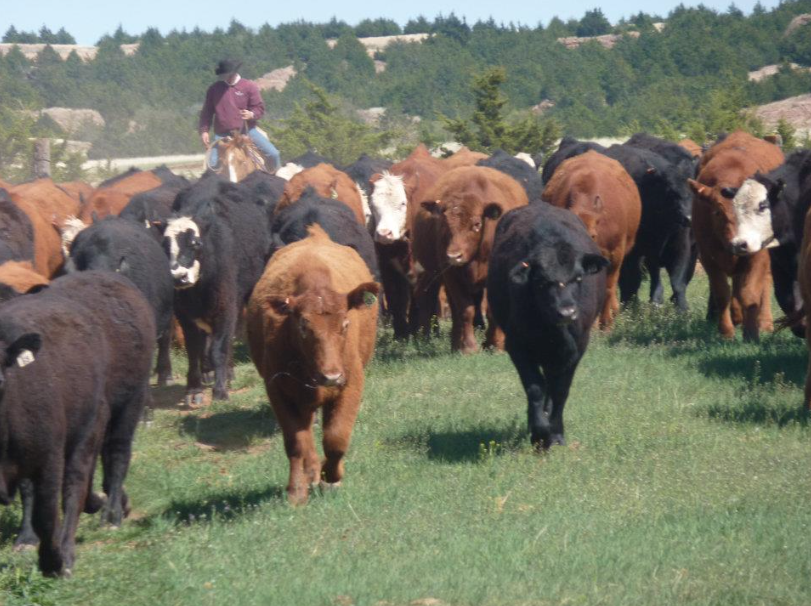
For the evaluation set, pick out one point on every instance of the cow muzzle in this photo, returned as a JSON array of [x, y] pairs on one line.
[[455, 258], [567, 315], [742, 248], [331, 379], [384, 236]]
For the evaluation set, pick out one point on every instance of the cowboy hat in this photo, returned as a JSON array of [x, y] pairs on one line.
[[227, 66]]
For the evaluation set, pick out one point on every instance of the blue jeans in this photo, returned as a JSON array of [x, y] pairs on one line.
[[262, 142]]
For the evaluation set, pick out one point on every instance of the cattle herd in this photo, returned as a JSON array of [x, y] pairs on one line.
[[306, 262]]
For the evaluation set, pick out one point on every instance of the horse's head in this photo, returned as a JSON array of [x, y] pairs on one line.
[[238, 157]]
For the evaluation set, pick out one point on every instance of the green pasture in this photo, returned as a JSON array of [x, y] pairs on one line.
[[686, 480]]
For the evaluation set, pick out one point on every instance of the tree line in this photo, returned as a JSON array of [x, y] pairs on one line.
[[689, 78]]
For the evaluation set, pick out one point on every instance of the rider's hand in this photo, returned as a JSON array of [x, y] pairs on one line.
[[246, 114], [205, 139]]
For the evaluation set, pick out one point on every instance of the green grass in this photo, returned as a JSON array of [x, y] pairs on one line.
[[686, 481]]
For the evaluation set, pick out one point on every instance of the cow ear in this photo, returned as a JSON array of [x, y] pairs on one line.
[[363, 295], [729, 192], [23, 351], [699, 189], [492, 211], [375, 178], [520, 273], [598, 204], [593, 264], [432, 206], [281, 305], [774, 190]]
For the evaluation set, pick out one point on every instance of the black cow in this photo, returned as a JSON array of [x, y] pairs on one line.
[[152, 208], [519, 170], [124, 247], [568, 148], [290, 225], [783, 230], [309, 159], [363, 169], [664, 238], [672, 152], [16, 232], [75, 362], [263, 188], [545, 287], [217, 243]]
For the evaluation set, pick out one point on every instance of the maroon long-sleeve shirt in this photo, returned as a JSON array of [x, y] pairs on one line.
[[224, 102]]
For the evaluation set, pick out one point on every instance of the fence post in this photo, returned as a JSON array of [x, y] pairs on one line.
[[42, 158]]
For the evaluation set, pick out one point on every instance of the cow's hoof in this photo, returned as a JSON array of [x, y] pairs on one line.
[[26, 544], [94, 503], [220, 394], [165, 381], [557, 439], [208, 378], [326, 487], [194, 399]]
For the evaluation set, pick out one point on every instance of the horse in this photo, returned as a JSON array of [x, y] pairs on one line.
[[237, 157]]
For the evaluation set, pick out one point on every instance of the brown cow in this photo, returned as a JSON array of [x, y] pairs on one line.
[[730, 163], [312, 323], [599, 191], [395, 202], [48, 257], [20, 276], [691, 146], [463, 157], [78, 190], [111, 199], [55, 203], [467, 203], [327, 181]]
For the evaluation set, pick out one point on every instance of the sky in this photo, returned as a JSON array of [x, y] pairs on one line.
[[89, 20]]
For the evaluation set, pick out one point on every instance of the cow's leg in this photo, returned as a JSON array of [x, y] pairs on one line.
[[657, 286], [116, 453], [76, 484], [808, 373], [748, 288], [164, 364], [397, 291], [45, 518], [630, 278], [463, 312], [297, 429], [766, 322], [424, 303], [721, 300], [27, 537], [540, 428], [478, 318], [339, 421], [611, 304], [559, 385], [222, 341], [195, 349], [680, 264], [494, 337]]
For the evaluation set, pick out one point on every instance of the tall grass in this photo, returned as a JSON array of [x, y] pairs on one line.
[[686, 481]]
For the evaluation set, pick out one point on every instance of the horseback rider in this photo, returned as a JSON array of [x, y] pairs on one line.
[[233, 103]]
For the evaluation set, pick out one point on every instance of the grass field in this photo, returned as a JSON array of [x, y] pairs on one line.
[[687, 480]]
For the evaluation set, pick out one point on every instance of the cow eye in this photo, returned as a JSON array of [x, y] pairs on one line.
[[763, 207], [345, 325], [196, 243], [578, 279], [477, 227]]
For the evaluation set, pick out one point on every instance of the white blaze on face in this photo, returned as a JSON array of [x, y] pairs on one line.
[[526, 158], [390, 207], [232, 171], [73, 225], [753, 218], [287, 171], [178, 238]]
